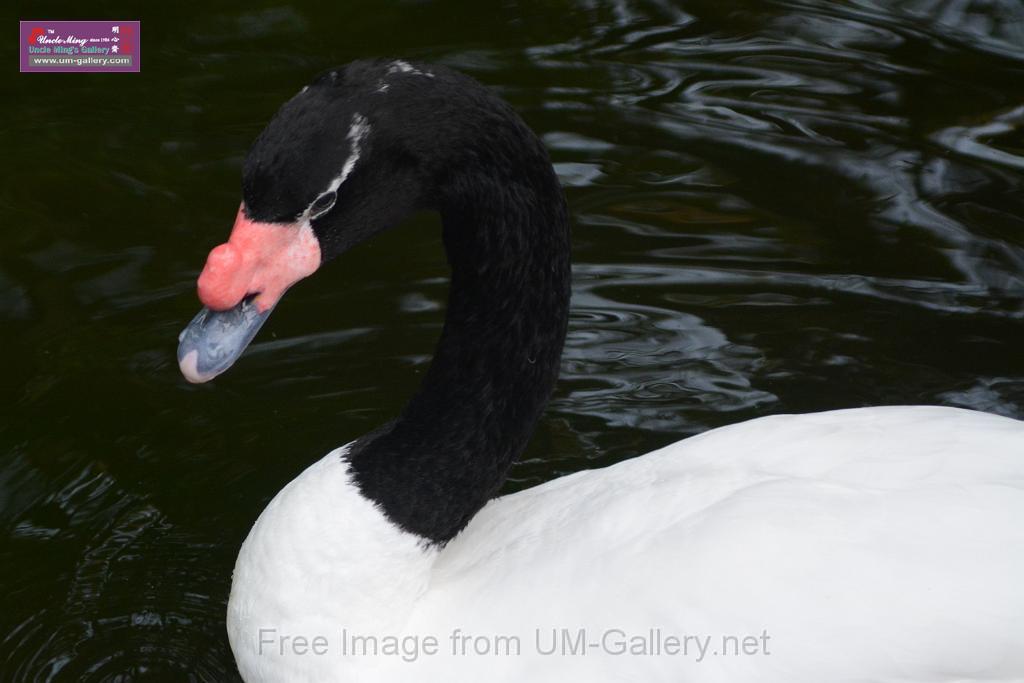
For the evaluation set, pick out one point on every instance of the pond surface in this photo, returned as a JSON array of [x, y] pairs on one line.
[[778, 207]]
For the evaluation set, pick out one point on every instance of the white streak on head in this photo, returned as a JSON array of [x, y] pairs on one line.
[[401, 66], [357, 132]]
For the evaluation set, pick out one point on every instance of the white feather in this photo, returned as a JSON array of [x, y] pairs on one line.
[[878, 544]]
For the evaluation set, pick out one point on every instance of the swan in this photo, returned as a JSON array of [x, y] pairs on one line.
[[871, 544]]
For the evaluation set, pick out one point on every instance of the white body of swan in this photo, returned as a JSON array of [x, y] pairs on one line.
[[877, 544]]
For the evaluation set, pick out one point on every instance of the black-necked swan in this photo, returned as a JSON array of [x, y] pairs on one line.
[[873, 544]]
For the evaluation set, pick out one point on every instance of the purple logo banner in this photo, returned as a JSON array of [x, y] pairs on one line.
[[80, 46]]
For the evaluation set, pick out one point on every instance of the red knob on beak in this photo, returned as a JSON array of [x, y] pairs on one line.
[[222, 283], [259, 258]]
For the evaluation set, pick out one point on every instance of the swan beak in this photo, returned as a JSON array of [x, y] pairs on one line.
[[214, 340], [242, 281]]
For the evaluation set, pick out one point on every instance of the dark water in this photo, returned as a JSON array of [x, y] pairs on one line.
[[779, 207]]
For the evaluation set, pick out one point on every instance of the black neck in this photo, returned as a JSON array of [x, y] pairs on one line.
[[507, 239]]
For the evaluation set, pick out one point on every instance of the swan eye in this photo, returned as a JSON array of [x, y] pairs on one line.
[[322, 204]]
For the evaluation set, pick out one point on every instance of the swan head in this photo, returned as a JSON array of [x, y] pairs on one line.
[[349, 156]]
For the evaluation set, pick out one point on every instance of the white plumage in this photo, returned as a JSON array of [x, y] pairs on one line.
[[877, 544]]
